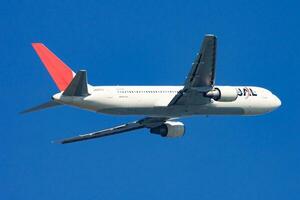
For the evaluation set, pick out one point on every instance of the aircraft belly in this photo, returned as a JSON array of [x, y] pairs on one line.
[[174, 111]]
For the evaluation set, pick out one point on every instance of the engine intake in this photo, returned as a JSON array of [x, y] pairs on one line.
[[169, 129], [223, 94]]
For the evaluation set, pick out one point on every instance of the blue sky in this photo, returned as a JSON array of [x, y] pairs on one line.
[[149, 43]]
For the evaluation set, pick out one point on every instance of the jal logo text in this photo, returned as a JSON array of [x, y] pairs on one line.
[[246, 92]]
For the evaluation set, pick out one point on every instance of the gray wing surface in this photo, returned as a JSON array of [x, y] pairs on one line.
[[201, 78], [43, 106], [148, 122], [202, 73]]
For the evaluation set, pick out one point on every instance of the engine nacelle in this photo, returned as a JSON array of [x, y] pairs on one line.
[[169, 129], [223, 94]]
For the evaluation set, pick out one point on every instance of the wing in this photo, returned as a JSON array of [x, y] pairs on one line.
[[202, 73], [201, 78], [143, 123]]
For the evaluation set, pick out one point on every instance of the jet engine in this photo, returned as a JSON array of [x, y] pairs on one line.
[[169, 129], [223, 94]]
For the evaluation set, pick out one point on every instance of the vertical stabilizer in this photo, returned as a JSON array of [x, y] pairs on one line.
[[61, 74]]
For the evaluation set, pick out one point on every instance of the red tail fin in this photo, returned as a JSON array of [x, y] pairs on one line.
[[61, 74]]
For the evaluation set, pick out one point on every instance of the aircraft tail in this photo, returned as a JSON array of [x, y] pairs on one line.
[[61, 73], [66, 80], [77, 88]]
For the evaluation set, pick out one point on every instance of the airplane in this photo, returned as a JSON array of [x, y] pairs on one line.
[[160, 106]]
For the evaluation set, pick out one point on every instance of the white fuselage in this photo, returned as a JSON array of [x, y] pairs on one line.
[[154, 100]]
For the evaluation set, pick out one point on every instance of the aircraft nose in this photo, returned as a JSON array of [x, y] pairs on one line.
[[276, 102]]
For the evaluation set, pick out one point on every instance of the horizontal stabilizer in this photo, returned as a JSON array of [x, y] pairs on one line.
[[78, 86], [41, 107]]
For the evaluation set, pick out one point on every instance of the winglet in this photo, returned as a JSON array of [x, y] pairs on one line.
[[61, 74]]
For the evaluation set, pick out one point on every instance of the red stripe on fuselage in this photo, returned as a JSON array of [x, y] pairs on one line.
[[58, 70]]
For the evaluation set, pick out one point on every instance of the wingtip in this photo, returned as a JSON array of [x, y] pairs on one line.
[[210, 35], [22, 112], [56, 142]]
